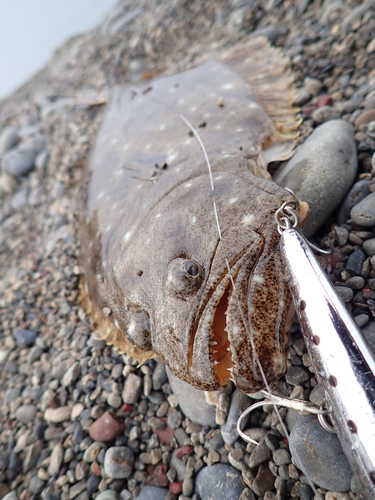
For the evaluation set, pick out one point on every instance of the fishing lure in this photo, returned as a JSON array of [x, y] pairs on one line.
[[342, 360]]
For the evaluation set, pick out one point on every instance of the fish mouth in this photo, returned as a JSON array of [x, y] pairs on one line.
[[221, 352]]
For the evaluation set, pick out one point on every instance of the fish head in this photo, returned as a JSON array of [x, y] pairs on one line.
[[219, 307]]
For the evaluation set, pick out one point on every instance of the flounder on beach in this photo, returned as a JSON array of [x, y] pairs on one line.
[[155, 267]]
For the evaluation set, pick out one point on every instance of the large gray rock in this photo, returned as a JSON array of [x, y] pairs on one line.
[[319, 455], [321, 171], [192, 401]]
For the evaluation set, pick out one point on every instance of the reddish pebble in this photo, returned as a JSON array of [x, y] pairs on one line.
[[126, 407], [4, 490], [185, 450], [263, 481], [95, 468], [106, 428], [164, 435], [368, 294], [157, 475], [308, 110], [325, 100], [25, 495], [54, 402], [175, 487]]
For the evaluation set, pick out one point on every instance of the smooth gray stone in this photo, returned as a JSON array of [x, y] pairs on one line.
[[192, 401], [319, 455], [321, 171], [9, 138], [364, 212], [239, 403], [369, 334], [118, 462], [360, 190], [19, 162], [369, 247], [152, 493], [219, 482]]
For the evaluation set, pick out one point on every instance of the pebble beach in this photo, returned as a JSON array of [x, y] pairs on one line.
[[78, 420]]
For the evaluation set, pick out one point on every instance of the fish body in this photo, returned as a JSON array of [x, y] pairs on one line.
[[153, 259]]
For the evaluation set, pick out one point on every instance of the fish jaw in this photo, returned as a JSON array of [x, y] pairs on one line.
[[243, 331]]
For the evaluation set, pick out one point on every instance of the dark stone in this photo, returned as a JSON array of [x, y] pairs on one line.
[[355, 262], [357, 193], [25, 338], [239, 403], [219, 482], [319, 455]]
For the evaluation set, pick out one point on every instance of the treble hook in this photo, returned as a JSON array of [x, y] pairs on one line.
[[293, 403]]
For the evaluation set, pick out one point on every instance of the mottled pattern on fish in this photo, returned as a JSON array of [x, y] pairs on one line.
[[150, 247]]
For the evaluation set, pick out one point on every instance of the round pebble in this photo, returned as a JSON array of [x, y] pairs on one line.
[[218, 482], [9, 138], [132, 389], [107, 427], [118, 462], [26, 413], [108, 495], [25, 338], [364, 212]]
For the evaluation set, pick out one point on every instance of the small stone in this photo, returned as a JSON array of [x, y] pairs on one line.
[[364, 118], [114, 400], [92, 484], [218, 482], [331, 495], [157, 475], [152, 493], [108, 495], [281, 457], [327, 158], [361, 320], [319, 454], [25, 338], [56, 459], [342, 234], [174, 419], [19, 162], [260, 454], [222, 408], [263, 481], [188, 486], [76, 489], [239, 403], [92, 452], [355, 262], [132, 389], [356, 282], [369, 246], [71, 374], [57, 415], [106, 428], [118, 462], [26, 413], [247, 495], [9, 138], [345, 293], [312, 85], [192, 401], [364, 212], [36, 485], [322, 114], [296, 375]]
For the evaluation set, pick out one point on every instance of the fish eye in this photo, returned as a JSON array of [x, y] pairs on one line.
[[190, 267], [183, 278]]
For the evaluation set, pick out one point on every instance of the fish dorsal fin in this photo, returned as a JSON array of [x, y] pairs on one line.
[[265, 69]]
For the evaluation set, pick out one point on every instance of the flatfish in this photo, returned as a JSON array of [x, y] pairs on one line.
[[156, 272]]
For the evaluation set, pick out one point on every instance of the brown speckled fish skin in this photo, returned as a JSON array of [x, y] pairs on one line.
[[139, 218]]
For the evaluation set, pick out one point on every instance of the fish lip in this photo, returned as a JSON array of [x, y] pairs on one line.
[[215, 293]]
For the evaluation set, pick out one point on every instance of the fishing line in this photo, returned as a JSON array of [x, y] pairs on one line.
[[194, 131]]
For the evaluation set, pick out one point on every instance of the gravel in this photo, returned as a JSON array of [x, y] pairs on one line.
[[80, 421]]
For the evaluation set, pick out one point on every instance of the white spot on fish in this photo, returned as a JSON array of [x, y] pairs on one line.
[[148, 146], [148, 241], [193, 219], [127, 235], [126, 147], [236, 330], [171, 157], [181, 101], [178, 169], [218, 177], [199, 373], [114, 206], [100, 195], [193, 108], [139, 186], [207, 115], [236, 181], [257, 279], [158, 215], [188, 184], [253, 105], [108, 228], [114, 140], [218, 126], [162, 126], [228, 86], [239, 130], [188, 141], [247, 218], [232, 200]]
